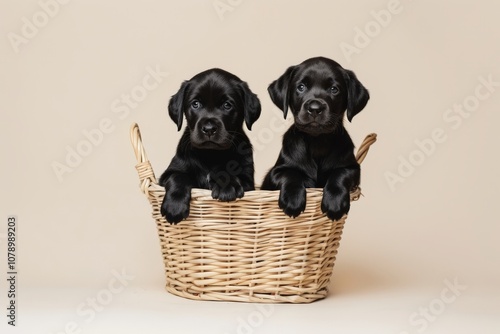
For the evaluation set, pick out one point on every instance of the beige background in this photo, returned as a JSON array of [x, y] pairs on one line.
[[401, 244]]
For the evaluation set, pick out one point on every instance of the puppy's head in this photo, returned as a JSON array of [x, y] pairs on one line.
[[318, 92], [215, 103]]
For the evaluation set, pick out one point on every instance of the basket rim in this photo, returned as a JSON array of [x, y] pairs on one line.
[[256, 195]]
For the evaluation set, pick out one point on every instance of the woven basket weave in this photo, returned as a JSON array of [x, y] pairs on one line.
[[247, 250]]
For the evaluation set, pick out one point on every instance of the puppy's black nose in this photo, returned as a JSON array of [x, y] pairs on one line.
[[315, 107], [209, 128]]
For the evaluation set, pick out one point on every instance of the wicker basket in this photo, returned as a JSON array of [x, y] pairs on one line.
[[247, 250]]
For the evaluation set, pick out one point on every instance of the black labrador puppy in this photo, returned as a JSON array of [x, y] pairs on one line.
[[214, 152], [317, 150]]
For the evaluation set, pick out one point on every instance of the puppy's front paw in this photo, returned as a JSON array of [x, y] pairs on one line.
[[335, 205], [174, 210], [227, 192], [292, 200]]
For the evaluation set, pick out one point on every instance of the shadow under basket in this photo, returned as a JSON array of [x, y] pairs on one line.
[[247, 250]]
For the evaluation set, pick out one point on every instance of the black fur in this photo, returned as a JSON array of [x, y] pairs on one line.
[[317, 150], [214, 151]]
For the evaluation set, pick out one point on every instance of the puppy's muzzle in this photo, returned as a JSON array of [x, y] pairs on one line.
[[315, 107]]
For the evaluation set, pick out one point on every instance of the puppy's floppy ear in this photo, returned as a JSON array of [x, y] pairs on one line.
[[175, 106], [251, 105], [357, 95], [278, 90]]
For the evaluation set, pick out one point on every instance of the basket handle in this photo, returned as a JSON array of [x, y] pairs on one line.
[[144, 169], [365, 145]]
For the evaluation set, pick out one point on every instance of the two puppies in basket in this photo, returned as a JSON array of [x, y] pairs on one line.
[[316, 150]]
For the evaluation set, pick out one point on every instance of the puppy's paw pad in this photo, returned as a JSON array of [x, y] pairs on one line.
[[292, 201], [228, 193], [335, 207], [335, 215], [174, 211]]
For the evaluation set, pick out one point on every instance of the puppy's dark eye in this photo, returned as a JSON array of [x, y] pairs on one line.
[[195, 104], [334, 90], [301, 87], [227, 106]]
